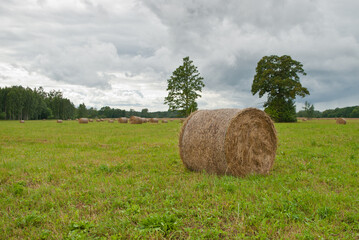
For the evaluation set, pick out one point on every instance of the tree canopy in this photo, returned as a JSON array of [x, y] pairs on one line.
[[183, 88], [278, 78]]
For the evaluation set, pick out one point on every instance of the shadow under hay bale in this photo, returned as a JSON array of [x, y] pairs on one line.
[[123, 120], [228, 142], [135, 120], [83, 120], [59, 121], [341, 121]]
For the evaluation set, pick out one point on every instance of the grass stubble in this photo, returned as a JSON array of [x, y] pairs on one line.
[[123, 181]]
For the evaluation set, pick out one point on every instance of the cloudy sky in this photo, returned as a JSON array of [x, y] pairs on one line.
[[120, 53]]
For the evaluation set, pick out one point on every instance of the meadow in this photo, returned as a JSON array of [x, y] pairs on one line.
[[124, 181]]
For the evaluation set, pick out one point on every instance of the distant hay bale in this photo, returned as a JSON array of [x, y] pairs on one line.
[[59, 121], [123, 120], [228, 142], [135, 120], [153, 120], [90, 120], [22, 121], [164, 121], [98, 120], [110, 121], [101, 120], [341, 121], [83, 120]]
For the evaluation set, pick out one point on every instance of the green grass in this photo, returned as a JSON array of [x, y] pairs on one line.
[[122, 181]]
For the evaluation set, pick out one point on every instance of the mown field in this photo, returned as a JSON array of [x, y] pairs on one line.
[[122, 181]]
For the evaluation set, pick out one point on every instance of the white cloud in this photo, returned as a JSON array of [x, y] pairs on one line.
[[120, 53]]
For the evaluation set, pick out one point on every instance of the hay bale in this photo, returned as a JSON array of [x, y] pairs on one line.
[[164, 121], [90, 120], [341, 121], [59, 121], [110, 121], [123, 120], [135, 120], [228, 141], [98, 120], [153, 120], [22, 121], [83, 120]]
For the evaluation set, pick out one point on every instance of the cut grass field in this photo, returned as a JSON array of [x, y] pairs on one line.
[[123, 181]]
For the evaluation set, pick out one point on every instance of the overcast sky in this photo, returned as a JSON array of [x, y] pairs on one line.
[[120, 53]]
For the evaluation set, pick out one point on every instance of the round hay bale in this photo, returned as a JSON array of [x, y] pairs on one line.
[[110, 121], [341, 121], [228, 142], [98, 120], [90, 120], [123, 120], [83, 120], [135, 120], [153, 120], [59, 121], [164, 121], [22, 121]]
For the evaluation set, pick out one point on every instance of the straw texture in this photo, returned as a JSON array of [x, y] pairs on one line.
[[228, 141], [341, 121]]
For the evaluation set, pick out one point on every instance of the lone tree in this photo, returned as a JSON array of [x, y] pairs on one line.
[[278, 77], [183, 88], [308, 109]]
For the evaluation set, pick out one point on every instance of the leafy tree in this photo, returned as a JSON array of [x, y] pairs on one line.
[[182, 88], [144, 113], [278, 78], [82, 111], [308, 109], [355, 113]]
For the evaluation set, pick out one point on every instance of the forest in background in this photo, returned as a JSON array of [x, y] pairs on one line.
[[346, 112], [17, 103]]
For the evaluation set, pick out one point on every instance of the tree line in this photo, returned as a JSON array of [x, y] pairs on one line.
[[346, 112], [19, 103]]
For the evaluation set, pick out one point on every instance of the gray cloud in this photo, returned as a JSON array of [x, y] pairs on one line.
[[122, 52]]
